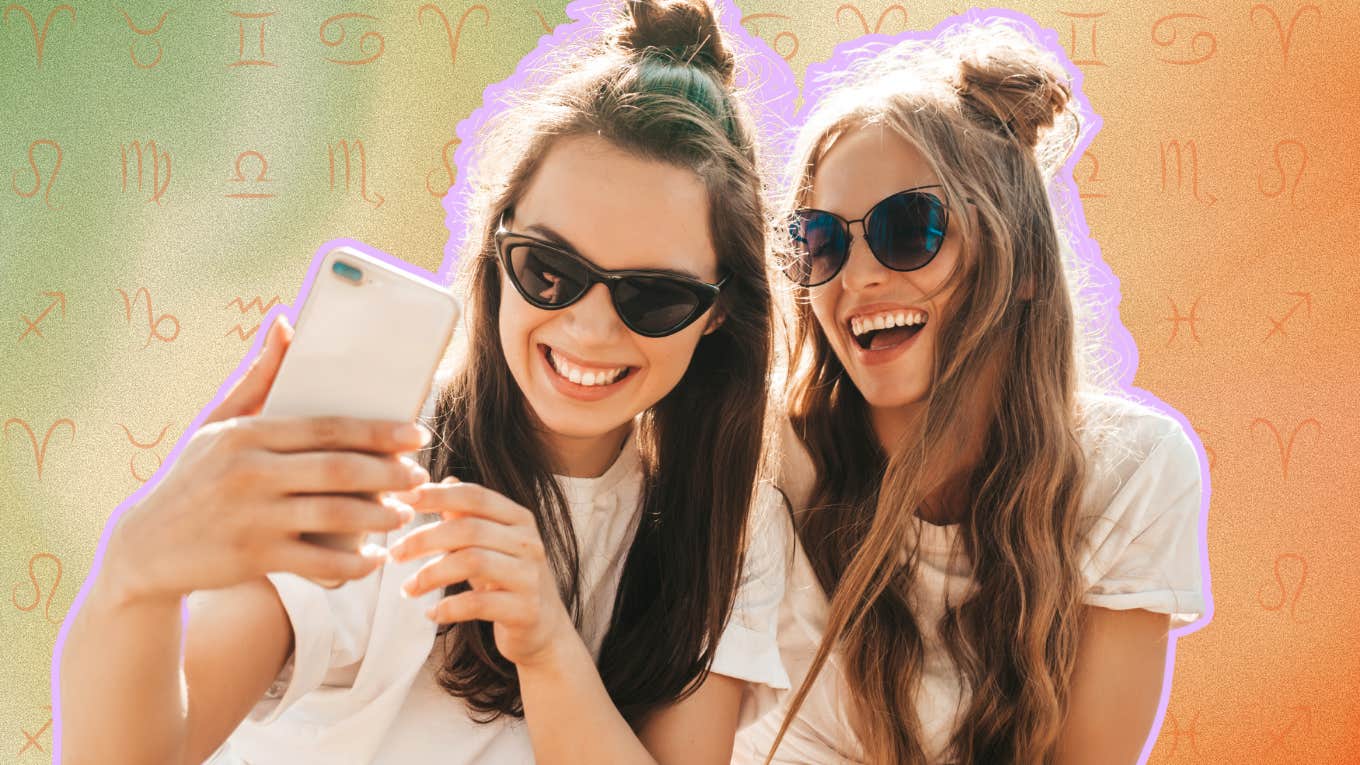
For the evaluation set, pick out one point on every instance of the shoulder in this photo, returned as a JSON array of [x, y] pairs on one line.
[[1143, 469], [1143, 501], [1122, 437]]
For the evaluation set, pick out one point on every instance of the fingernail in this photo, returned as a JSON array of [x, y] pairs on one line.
[[418, 473], [372, 550], [285, 329], [409, 497], [408, 588], [429, 613], [426, 436]]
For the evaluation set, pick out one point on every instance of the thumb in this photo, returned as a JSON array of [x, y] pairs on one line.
[[247, 396]]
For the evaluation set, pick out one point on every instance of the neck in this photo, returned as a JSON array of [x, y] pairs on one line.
[[946, 491], [892, 425], [584, 456]]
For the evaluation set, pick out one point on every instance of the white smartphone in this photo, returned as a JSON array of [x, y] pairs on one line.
[[367, 343]]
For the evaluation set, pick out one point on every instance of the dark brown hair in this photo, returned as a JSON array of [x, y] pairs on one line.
[[659, 86], [975, 103]]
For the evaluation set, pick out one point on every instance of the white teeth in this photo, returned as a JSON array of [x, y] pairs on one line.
[[886, 320], [581, 376]]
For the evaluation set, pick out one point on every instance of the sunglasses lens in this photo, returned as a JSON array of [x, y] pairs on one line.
[[547, 277], [906, 230], [654, 306], [820, 242]]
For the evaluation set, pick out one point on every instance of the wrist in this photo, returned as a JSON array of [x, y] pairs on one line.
[[560, 652], [126, 576]]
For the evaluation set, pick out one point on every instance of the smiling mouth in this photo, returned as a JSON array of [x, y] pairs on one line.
[[886, 329], [585, 376]]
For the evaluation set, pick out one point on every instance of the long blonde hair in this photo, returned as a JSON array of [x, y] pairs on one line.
[[980, 103]]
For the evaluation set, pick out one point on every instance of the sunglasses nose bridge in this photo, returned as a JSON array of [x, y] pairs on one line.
[[592, 318], [861, 268]]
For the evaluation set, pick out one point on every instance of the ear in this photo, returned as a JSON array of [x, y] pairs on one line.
[[715, 321]]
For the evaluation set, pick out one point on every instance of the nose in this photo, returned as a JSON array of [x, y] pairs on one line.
[[592, 321], [862, 270]]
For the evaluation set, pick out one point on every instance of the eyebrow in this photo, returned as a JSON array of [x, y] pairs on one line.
[[551, 235]]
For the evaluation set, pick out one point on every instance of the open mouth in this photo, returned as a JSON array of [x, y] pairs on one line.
[[887, 329], [585, 376]]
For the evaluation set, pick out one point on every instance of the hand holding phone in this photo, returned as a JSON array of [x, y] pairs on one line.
[[288, 472], [369, 339], [231, 508]]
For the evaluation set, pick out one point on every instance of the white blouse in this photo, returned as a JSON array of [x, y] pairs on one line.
[[360, 685], [1142, 552]]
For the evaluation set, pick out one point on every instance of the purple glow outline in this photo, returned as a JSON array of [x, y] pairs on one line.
[[775, 93]]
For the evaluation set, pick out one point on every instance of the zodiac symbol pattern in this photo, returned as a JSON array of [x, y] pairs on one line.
[[39, 452], [33, 326], [38, 589], [1217, 191]]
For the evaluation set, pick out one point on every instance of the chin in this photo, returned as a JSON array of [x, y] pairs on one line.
[[884, 392], [584, 426], [893, 399]]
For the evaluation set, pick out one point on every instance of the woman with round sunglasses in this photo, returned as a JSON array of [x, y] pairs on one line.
[[991, 550], [586, 565]]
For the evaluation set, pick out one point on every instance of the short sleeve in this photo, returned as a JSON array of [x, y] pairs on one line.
[[749, 647], [1145, 551], [331, 628]]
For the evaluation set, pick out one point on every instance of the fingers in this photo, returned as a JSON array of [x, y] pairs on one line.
[[247, 395], [479, 567], [486, 605], [310, 434], [322, 563], [458, 533], [344, 473], [469, 499], [339, 514]]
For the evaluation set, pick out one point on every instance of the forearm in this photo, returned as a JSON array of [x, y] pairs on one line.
[[122, 689], [570, 715]]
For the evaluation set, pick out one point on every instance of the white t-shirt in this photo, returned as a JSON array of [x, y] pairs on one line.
[[1143, 553], [360, 686]]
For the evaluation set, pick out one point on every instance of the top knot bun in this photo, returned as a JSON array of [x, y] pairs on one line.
[[1021, 92], [685, 30]]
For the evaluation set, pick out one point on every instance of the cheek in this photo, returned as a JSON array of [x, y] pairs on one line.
[[515, 322], [823, 301], [934, 278], [668, 358]]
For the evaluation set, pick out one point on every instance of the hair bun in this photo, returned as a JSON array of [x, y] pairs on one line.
[[1018, 90], [686, 30]]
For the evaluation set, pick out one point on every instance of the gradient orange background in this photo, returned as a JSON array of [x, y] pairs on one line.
[[123, 306]]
